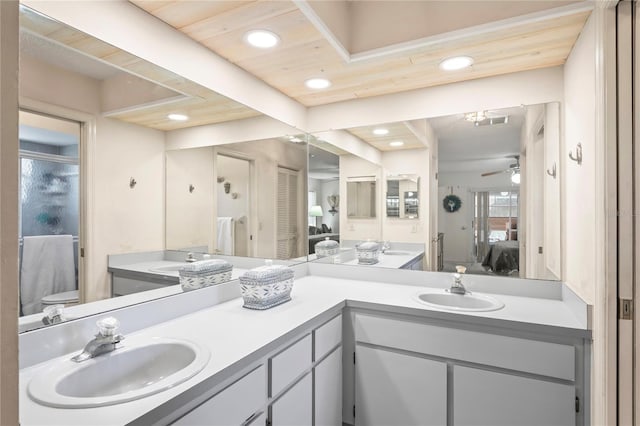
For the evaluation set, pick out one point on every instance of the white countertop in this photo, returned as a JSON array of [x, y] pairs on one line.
[[232, 333], [395, 261]]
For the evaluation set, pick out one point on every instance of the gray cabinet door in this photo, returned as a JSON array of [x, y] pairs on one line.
[[489, 398], [294, 408], [328, 390], [398, 389]]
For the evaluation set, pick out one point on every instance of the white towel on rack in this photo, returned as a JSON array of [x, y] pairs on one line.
[[47, 268], [225, 235]]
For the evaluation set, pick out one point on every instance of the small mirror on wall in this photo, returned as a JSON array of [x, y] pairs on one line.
[[402, 200], [361, 197]]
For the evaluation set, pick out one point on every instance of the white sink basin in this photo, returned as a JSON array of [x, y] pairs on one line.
[[131, 372], [170, 268], [457, 302]]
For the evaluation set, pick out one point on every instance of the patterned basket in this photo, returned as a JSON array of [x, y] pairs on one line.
[[326, 248], [367, 252], [266, 286], [204, 274]]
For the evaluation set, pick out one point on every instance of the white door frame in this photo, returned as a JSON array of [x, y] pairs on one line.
[[86, 166]]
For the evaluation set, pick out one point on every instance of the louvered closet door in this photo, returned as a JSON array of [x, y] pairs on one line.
[[287, 213]]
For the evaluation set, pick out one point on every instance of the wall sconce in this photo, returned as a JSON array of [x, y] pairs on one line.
[[227, 187], [334, 201]]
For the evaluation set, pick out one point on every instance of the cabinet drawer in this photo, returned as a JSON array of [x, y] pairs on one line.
[[532, 356], [289, 364], [233, 405], [327, 337]]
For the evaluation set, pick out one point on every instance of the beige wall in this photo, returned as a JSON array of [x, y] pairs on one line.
[[122, 219], [583, 208], [578, 185], [190, 216], [118, 219], [9, 213]]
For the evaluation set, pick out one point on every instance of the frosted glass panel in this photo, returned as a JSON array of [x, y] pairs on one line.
[[49, 198]]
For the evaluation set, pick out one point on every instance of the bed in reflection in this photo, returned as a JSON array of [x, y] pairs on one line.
[[503, 257]]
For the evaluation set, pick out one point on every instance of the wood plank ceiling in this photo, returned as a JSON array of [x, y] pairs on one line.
[[202, 105], [398, 132], [304, 52]]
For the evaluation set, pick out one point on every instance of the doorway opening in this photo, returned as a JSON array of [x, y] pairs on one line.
[[496, 229], [50, 213], [233, 235]]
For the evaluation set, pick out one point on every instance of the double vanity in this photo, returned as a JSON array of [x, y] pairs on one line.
[[356, 345]]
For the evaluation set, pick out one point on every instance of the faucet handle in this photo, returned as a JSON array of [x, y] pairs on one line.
[[108, 326], [457, 278]]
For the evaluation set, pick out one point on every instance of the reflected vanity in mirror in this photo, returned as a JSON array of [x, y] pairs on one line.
[[361, 197], [120, 107], [402, 199]]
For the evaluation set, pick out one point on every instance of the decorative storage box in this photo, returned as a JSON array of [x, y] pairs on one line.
[[367, 252], [204, 273], [266, 286], [327, 247]]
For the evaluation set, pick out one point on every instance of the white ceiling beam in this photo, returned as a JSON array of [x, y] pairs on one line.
[[248, 129], [508, 90], [351, 144]]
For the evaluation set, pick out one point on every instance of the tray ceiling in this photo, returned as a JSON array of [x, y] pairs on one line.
[[306, 52]]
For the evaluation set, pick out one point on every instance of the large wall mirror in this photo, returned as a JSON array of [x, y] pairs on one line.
[[105, 171], [489, 192], [100, 117]]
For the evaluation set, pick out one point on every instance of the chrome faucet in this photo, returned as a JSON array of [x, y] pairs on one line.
[[190, 258], [385, 246], [457, 287], [105, 341]]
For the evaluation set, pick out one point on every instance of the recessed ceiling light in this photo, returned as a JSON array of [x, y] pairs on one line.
[[262, 38], [396, 143], [177, 117], [380, 131], [317, 83], [456, 63]]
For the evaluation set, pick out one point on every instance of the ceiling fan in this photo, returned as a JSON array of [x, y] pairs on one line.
[[514, 168]]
